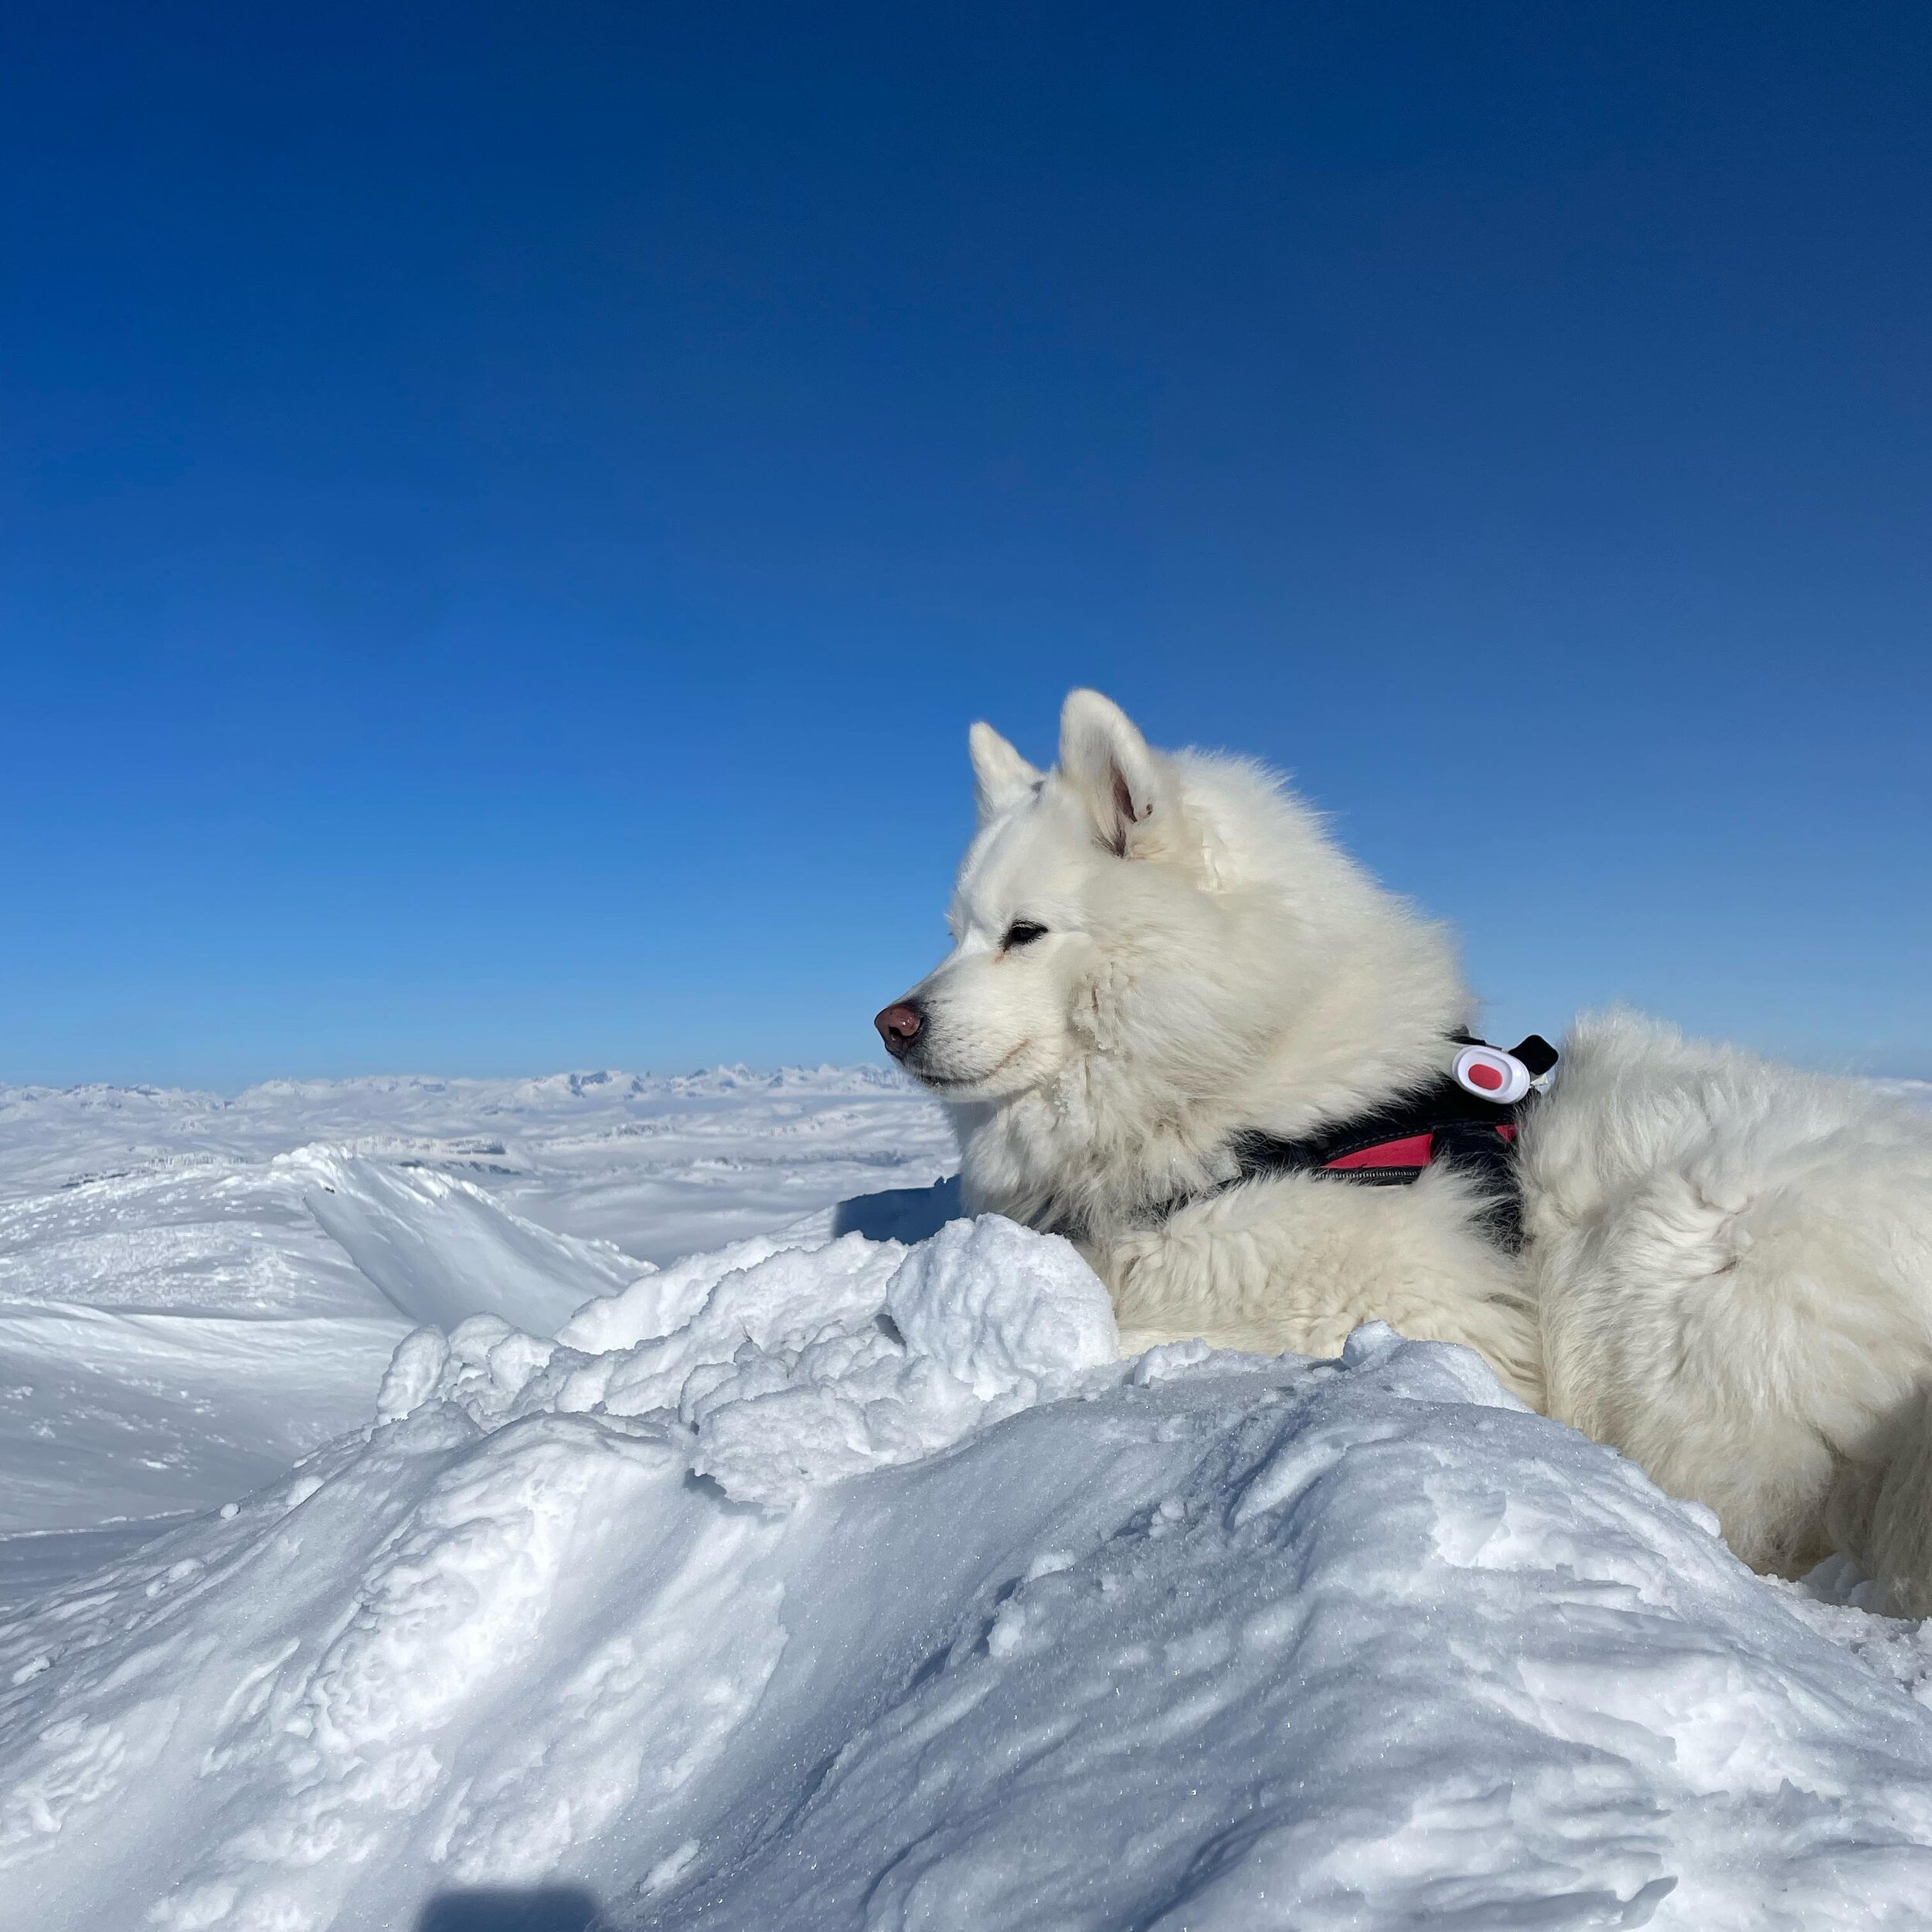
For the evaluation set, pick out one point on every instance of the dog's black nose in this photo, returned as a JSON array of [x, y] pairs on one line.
[[900, 1025]]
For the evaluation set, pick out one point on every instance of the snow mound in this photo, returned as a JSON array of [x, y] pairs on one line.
[[830, 1583], [780, 1368]]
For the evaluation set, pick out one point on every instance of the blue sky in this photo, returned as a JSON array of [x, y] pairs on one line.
[[507, 513]]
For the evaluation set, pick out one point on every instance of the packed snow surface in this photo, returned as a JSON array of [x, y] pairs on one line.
[[815, 1580]]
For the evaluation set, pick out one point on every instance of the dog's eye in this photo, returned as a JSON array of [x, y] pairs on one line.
[[1022, 932]]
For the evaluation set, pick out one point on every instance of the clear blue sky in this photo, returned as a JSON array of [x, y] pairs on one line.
[[507, 513]]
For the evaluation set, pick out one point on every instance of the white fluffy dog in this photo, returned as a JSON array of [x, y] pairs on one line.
[[1721, 1267]]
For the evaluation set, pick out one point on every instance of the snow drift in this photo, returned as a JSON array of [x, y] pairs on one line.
[[830, 1583], [172, 1337]]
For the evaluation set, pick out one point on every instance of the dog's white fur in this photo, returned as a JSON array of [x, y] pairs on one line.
[[1728, 1272]]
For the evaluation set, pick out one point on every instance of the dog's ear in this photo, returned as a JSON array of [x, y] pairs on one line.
[[1111, 766], [1000, 774]]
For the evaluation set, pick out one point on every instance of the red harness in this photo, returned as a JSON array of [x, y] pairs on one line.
[[1465, 1119], [1414, 1150]]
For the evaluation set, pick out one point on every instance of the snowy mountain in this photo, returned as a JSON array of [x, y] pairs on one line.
[[393, 1544]]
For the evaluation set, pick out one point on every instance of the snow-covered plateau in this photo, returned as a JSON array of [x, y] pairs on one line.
[[607, 1501]]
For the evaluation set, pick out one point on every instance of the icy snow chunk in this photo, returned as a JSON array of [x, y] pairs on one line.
[[1436, 1372], [842, 1371], [412, 1373], [660, 1303], [1006, 1311]]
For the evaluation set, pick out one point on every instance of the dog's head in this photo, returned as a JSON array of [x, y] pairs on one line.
[[1087, 897]]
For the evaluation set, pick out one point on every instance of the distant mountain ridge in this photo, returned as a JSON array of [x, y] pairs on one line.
[[600, 1083]]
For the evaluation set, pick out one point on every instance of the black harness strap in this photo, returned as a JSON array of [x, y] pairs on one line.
[[1474, 1135]]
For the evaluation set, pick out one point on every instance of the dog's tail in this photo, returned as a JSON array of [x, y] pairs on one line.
[[1884, 1513]]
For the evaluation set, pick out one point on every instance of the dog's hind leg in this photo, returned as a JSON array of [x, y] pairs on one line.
[[1897, 1538]]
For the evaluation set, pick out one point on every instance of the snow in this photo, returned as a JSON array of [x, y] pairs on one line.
[[780, 1368], [661, 1167], [818, 1578], [194, 1291]]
